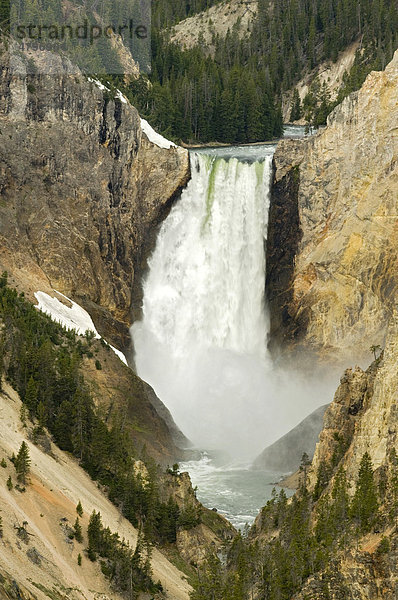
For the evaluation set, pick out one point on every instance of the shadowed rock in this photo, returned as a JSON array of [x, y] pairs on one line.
[[285, 454]]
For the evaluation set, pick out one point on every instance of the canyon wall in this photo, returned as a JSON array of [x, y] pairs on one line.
[[82, 191], [332, 273], [362, 418], [364, 414]]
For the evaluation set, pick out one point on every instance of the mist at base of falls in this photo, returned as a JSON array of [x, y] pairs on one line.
[[224, 400], [202, 343]]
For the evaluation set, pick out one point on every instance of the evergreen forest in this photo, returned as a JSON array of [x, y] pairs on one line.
[[42, 361], [304, 539], [233, 93]]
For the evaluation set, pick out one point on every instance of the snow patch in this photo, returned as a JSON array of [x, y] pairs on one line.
[[121, 97], [103, 88], [155, 137], [74, 317], [100, 85]]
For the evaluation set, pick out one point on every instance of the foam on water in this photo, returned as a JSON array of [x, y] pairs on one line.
[[234, 490]]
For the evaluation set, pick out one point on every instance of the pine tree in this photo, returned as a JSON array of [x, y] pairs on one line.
[[23, 414], [365, 503], [94, 533], [340, 507], [41, 415], [22, 463], [31, 395], [79, 509], [210, 581], [296, 113], [305, 463], [78, 531], [322, 480]]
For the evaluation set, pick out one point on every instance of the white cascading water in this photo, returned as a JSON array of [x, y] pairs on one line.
[[205, 288], [202, 341]]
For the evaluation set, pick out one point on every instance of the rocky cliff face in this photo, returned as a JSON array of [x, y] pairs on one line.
[[329, 72], [361, 575], [362, 418], [335, 228], [364, 414], [120, 394], [82, 192], [209, 535]]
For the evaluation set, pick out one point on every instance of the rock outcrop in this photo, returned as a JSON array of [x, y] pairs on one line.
[[82, 192], [363, 416], [120, 394], [334, 228], [329, 73], [233, 17], [361, 575], [209, 535]]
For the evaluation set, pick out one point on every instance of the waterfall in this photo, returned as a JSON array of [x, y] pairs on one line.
[[202, 343], [205, 287]]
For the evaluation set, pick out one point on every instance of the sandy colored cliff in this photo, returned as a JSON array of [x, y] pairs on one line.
[[332, 247]]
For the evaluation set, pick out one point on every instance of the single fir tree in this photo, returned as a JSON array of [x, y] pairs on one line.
[[94, 533], [296, 112], [78, 531], [22, 463], [365, 503]]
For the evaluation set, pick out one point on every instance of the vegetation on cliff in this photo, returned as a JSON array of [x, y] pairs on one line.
[[302, 538], [42, 360], [338, 533], [235, 95]]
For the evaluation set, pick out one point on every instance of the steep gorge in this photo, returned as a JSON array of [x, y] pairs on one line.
[[81, 213]]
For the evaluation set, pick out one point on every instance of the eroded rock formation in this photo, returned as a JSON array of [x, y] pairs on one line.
[[364, 414], [82, 192], [332, 260]]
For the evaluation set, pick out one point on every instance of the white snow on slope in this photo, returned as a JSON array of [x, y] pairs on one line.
[[152, 135], [155, 137], [74, 317], [103, 88], [121, 97], [100, 85]]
